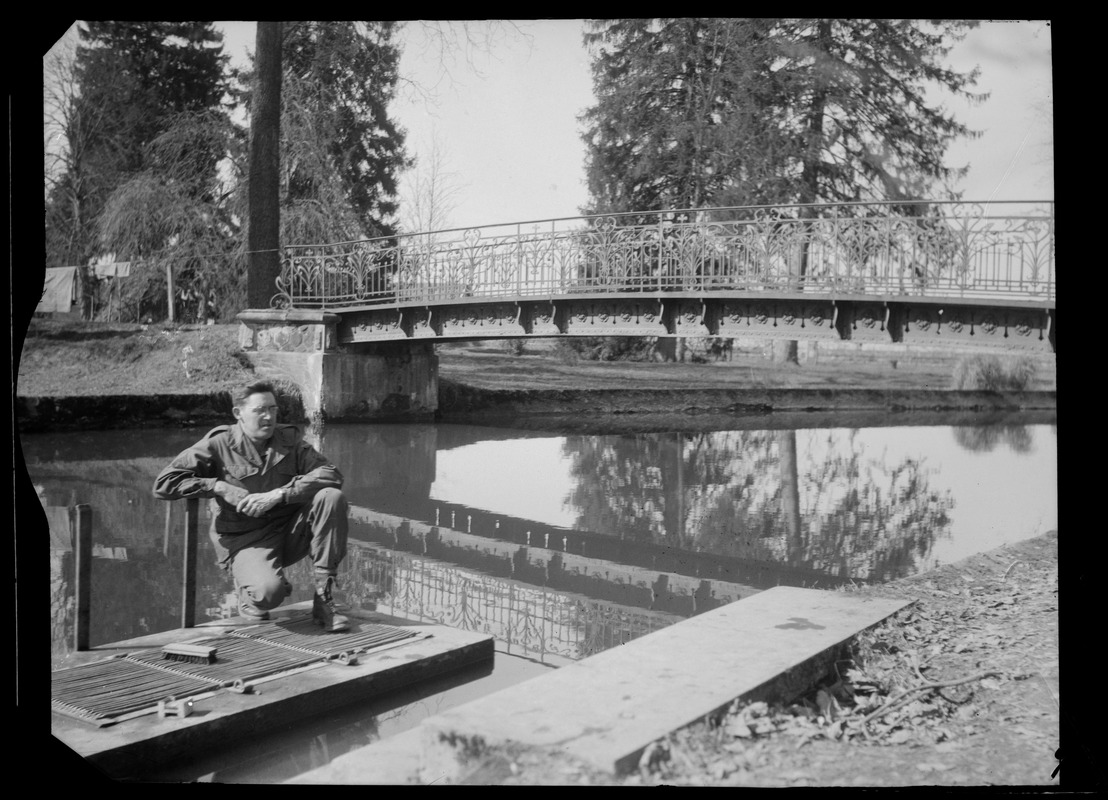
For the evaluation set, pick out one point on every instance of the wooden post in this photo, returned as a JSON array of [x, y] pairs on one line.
[[82, 527], [165, 534], [188, 592], [170, 289]]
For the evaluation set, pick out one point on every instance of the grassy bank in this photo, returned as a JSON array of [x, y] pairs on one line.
[[75, 359]]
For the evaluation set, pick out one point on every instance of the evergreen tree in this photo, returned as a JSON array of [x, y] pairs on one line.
[[857, 97], [698, 112], [341, 152], [684, 115], [146, 72], [862, 118]]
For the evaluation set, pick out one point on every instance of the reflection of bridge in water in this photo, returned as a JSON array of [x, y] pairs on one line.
[[538, 601], [547, 590], [503, 538]]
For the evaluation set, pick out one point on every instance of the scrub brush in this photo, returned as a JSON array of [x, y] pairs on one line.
[[189, 653]]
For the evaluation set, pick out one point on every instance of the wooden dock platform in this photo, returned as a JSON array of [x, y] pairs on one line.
[[141, 742]]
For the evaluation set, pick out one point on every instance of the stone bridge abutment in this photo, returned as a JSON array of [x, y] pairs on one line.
[[357, 381]]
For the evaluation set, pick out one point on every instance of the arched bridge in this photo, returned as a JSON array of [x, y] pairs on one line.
[[936, 273], [354, 324]]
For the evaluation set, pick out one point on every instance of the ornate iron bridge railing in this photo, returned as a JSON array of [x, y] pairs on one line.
[[975, 251]]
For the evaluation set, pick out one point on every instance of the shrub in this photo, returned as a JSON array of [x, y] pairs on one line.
[[514, 347], [994, 374], [608, 348], [566, 351]]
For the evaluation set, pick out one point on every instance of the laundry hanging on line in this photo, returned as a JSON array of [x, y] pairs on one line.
[[118, 269], [59, 290]]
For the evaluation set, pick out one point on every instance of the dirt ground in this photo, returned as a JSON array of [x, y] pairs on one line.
[[72, 359], [960, 690]]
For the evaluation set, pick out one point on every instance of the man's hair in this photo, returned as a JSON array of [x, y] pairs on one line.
[[240, 394]]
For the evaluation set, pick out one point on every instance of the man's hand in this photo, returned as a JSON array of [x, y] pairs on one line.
[[230, 493], [254, 505]]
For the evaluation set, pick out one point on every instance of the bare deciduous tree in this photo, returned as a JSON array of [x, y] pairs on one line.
[[431, 191], [68, 130], [442, 41]]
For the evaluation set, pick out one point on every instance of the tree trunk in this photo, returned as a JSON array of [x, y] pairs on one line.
[[785, 352], [673, 488], [790, 496], [263, 229], [88, 287], [666, 347]]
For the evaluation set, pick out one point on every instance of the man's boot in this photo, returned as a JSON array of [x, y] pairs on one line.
[[247, 610], [323, 608]]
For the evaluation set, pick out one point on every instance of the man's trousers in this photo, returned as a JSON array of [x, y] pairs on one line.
[[257, 559]]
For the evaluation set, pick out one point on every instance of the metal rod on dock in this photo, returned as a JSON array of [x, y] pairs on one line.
[[82, 526], [188, 592]]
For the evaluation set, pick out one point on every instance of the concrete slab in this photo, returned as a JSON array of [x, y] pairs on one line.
[[131, 746], [607, 708], [395, 761]]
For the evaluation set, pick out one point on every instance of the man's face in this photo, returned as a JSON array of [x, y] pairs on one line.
[[258, 415]]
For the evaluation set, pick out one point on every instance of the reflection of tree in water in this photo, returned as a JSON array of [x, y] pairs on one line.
[[745, 494], [985, 438], [62, 603], [866, 518], [619, 485], [647, 486]]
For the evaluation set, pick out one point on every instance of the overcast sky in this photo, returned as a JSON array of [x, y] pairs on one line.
[[507, 120]]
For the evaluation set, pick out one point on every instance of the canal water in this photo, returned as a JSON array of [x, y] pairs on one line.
[[559, 544]]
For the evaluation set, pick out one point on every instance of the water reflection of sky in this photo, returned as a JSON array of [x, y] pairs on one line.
[[525, 478], [1000, 494]]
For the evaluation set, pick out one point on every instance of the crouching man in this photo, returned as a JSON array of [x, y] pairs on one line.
[[277, 500]]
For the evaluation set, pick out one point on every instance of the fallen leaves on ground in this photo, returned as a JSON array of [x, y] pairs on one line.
[[958, 689]]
